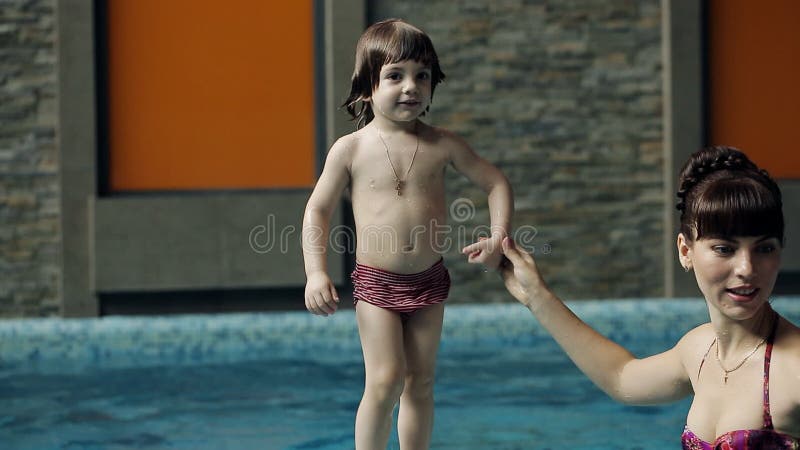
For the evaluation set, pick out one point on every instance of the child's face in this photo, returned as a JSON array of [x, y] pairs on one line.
[[403, 92]]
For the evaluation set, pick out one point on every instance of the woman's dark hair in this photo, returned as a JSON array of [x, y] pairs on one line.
[[387, 42], [723, 195]]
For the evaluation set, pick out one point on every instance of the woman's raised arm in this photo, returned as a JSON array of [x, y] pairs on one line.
[[610, 366]]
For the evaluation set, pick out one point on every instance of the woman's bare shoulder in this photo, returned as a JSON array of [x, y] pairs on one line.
[[789, 338], [696, 341]]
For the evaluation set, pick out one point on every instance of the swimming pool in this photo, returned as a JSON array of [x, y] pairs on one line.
[[293, 380]]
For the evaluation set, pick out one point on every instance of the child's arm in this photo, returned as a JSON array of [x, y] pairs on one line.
[[320, 294], [501, 202]]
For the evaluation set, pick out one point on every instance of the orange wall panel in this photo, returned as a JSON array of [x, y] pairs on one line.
[[754, 59], [210, 95]]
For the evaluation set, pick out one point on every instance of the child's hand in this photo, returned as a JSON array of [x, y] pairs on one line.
[[321, 296], [486, 251]]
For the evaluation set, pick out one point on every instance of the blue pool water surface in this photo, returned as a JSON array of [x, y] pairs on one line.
[[293, 381]]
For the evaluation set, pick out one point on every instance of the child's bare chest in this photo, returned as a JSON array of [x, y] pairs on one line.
[[375, 168]]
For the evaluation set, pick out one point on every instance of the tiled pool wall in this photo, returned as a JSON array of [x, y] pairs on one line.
[[67, 345]]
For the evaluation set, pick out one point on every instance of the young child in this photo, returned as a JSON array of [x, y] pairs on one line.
[[394, 166]]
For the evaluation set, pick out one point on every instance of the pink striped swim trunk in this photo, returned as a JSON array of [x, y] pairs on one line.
[[401, 293]]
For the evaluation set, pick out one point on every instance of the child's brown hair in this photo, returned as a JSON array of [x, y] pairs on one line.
[[387, 42]]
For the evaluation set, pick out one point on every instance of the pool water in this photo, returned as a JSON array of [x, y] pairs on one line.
[[293, 381]]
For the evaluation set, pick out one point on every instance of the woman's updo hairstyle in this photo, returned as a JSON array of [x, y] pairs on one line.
[[723, 195]]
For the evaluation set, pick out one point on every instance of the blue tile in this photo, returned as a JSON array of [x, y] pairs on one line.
[[53, 345]]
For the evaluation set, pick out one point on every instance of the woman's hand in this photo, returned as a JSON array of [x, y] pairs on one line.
[[321, 296], [520, 274]]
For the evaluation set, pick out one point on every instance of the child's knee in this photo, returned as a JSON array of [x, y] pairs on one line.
[[418, 385], [386, 383]]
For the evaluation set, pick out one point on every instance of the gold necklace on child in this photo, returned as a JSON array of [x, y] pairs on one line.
[[399, 182]]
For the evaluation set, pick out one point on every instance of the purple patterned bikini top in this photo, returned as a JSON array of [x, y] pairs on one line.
[[765, 438]]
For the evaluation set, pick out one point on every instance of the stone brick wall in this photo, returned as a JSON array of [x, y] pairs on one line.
[[29, 200], [565, 97]]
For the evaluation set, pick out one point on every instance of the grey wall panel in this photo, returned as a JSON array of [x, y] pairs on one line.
[[77, 146], [791, 211], [208, 241]]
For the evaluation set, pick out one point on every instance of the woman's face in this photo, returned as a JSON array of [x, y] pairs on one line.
[[737, 274]]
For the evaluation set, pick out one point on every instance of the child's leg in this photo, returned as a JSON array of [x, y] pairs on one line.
[[422, 333], [381, 333]]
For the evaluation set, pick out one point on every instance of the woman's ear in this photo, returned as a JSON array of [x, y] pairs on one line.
[[684, 252]]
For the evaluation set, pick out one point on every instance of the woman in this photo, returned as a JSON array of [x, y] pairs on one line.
[[743, 367]]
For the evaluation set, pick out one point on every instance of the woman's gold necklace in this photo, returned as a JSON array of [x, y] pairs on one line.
[[727, 371], [399, 182]]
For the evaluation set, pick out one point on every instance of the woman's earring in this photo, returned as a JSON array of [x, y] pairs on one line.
[[686, 268]]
